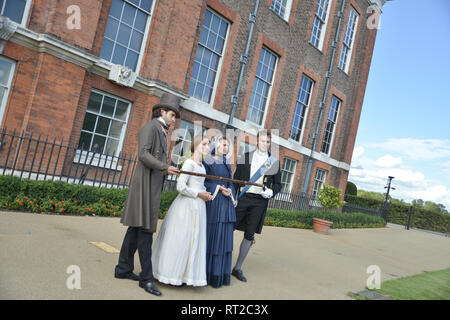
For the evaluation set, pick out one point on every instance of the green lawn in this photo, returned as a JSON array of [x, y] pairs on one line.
[[433, 285]]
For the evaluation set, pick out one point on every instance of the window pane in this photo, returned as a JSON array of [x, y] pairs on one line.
[[89, 122], [141, 20], [5, 71], [124, 34], [85, 141], [121, 110], [119, 54], [102, 125], [98, 144], [111, 28], [111, 147], [146, 4], [116, 8], [14, 10], [107, 49], [116, 129], [95, 101], [136, 40], [108, 106], [131, 61], [128, 14]]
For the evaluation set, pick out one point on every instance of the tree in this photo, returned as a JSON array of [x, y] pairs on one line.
[[351, 189], [330, 197]]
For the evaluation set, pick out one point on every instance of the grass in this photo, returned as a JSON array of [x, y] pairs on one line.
[[433, 285]]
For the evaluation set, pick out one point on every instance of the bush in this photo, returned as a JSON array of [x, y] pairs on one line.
[[351, 189], [63, 198], [330, 197]]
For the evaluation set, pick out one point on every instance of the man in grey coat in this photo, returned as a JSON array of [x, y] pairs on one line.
[[141, 209]]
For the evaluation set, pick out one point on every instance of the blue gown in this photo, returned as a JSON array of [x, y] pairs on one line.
[[220, 218]]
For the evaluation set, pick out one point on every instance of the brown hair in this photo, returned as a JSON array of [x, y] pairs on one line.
[[156, 113], [265, 132], [197, 140]]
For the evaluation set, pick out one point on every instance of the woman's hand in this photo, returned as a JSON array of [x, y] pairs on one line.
[[205, 196], [225, 191]]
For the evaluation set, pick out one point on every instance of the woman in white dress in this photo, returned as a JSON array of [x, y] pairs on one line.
[[179, 253]]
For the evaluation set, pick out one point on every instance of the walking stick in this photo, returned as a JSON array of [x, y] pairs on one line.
[[222, 178]]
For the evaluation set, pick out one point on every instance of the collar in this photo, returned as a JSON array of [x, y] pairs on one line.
[[163, 123]]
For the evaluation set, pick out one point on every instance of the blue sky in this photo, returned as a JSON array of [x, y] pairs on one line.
[[404, 130]]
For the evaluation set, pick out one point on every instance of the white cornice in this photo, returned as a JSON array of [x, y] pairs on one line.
[[51, 45]]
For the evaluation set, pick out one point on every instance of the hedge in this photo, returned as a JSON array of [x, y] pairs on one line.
[[63, 198], [399, 214]]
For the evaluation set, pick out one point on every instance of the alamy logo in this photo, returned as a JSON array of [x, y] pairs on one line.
[[74, 280], [374, 280], [373, 21], [74, 20]]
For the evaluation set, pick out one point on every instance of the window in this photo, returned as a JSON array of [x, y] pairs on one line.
[[320, 23], [6, 75], [287, 174], [301, 107], [16, 10], [262, 86], [104, 124], [126, 31], [319, 180], [330, 126], [209, 54], [282, 8], [349, 37]]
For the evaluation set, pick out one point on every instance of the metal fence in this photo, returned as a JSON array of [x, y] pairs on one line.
[[39, 158]]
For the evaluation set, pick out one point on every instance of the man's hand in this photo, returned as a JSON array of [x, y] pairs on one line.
[[173, 170], [267, 194], [205, 196]]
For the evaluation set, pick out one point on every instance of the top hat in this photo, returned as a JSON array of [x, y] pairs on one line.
[[169, 101]]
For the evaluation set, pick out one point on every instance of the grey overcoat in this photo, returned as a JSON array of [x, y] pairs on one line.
[[144, 194]]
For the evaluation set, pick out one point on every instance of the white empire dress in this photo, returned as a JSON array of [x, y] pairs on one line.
[[179, 253]]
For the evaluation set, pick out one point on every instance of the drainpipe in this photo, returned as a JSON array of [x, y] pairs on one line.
[[243, 60], [324, 98]]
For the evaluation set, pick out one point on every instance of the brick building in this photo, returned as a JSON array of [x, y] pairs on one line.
[[87, 72]]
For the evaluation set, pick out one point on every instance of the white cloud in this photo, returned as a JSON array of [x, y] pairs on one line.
[[357, 153], [416, 149], [388, 161]]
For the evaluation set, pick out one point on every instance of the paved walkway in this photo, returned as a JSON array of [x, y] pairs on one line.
[[37, 249]]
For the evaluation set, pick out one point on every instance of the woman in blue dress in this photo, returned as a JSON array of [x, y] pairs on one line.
[[220, 216]]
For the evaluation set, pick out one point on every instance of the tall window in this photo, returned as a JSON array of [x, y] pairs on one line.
[[287, 174], [104, 124], [125, 32], [6, 74], [330, 126], [209, 54], [320, 23], [16, 10], [262, 86], [301, 106], [349, 37], [319, 180], [282, 8]]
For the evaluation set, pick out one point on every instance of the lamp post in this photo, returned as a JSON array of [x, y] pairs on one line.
[[388, 187]]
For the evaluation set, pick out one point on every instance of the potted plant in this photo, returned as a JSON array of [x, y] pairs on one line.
[[329, 197]]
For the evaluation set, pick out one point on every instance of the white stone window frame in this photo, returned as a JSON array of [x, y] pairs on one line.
[[26, 12], [144, 39], [287, 10], [269, 94], [219, 65], [285, 196], [4, 101], [344, 62], [323, 25], [103, 160], [307, 106], [339, 106]]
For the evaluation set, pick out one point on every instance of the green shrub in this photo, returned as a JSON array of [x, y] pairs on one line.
[[351, 189], [330, 197]]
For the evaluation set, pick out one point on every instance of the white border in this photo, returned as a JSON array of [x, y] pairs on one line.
[[4, 102]]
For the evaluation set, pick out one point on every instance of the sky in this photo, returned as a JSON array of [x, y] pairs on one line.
[[404, 129]]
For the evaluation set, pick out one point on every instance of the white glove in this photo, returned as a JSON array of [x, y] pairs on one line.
[[268, 193]]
